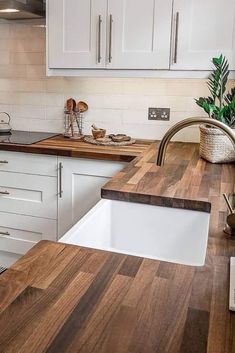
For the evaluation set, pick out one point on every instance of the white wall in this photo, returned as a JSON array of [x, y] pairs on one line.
[[36, 102]]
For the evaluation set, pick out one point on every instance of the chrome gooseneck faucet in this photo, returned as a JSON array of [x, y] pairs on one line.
[[189, 122]]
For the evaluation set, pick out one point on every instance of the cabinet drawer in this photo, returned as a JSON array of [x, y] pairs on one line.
[[32, 195], [93, 167], [28, 163], [20, 233]]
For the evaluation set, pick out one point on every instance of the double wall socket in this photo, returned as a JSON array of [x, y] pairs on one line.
[[159, 114]]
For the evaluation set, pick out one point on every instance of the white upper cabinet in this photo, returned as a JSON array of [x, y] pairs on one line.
[[131, 35], [76, 33], [202, 30], [110, 34], [139, 34]]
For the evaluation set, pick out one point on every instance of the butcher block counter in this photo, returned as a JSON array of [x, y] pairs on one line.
[[61, 298], [60, 146]]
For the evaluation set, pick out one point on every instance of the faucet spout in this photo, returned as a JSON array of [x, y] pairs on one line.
[[189, 122]]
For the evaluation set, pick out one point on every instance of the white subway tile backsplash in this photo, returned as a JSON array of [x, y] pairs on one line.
[[27, 58], [4, 58], [6, 108], [54, 113], [30, 86], [144, 86], [6, 85], [26, 45], [101, 116], [54, 99], [120, 105], [4, 30], [28, 112], [26, 30], [54, 85], [5, 44], [35, 71], [31, 98]]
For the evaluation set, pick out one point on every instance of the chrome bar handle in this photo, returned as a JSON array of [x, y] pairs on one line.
[[110, 37], [4, 193], [5, 234], [60, 180], [99, 39], [177, 17], [3, 162]]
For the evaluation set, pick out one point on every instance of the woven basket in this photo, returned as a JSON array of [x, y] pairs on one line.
[[215, 146]]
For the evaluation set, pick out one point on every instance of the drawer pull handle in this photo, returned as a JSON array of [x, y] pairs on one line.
[[110, 37], [6, 234], [176, 37], [4, 193], [3, 162], [99, 39], [60, 180]]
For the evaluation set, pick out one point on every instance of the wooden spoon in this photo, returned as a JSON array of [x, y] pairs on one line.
[[82, 107], [71, 106]]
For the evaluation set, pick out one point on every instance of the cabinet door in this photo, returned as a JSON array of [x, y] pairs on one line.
[[202, 30], [139, 34], [80, 188], [76, 33]]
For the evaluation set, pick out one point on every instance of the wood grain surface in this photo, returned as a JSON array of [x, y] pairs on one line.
[[61, 146], [185, 181], [65, 299]]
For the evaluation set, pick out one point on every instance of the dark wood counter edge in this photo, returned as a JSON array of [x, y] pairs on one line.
[[186, 204], [69, 152]]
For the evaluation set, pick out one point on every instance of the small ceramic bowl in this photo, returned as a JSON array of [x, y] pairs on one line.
[[99, 133]]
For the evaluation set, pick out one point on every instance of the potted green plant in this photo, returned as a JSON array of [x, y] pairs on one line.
[[215, 147]]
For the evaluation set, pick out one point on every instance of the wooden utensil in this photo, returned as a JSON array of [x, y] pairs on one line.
[[82, 107], [98, 133], [120, 138], [71, 107]]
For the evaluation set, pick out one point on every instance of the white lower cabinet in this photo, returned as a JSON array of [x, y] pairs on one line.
[[80, 183], [19, 233], [42, 197], [28, 203]]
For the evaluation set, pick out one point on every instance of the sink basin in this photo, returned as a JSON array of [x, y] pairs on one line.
[[161, 233]]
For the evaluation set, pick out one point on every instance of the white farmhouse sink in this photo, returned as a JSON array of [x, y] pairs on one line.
[[154, 232]]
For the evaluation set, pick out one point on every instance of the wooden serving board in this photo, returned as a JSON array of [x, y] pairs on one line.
[[90, 139]]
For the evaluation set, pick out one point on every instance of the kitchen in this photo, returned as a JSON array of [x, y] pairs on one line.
[[162, 283]]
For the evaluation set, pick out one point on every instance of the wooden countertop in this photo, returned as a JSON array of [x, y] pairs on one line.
[[185, 181], [61, 146], [60, 298], [65, 299]]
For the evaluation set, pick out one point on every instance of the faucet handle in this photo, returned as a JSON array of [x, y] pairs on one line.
[[230, 228], [228, 203], [231, 223]]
